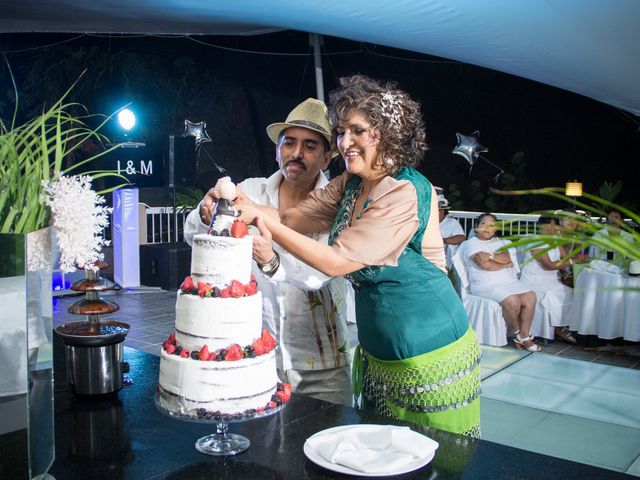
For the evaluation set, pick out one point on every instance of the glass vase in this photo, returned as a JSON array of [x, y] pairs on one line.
[[26, 354]]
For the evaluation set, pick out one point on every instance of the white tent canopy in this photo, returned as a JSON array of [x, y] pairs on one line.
[[590, 47]]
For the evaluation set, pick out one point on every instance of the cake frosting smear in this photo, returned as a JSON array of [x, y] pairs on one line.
[[219, 363]]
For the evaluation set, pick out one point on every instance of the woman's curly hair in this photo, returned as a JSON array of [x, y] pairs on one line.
[[392, 113]]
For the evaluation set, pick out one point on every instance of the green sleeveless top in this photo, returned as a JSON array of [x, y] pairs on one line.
[[405, 310]]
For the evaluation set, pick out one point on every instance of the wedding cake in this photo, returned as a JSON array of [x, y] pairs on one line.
[[218, 363]]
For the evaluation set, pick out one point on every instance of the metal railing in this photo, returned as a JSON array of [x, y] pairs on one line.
[[508, 223], [161, 226]]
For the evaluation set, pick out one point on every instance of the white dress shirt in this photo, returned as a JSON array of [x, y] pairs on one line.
[[596, 252], [450, 227]]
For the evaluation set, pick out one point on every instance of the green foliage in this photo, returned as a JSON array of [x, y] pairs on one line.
[[188, 198], [583, 236], [173, 86], [35, 152], [476, 196], [609, 191]]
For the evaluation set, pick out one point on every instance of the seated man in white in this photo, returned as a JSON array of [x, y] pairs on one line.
[[491, 275], [450, 230], [613, 229], [540, 272]]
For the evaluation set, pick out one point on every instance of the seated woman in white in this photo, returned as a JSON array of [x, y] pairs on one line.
[[568, 225], [491, 275], [540, 273]]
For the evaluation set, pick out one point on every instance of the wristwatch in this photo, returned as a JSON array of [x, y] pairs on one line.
[[271, 266], [491, 257]]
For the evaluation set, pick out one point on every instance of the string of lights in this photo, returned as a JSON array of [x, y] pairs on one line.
[[287, 54], [363, 48], [406, 59], [39, 47]]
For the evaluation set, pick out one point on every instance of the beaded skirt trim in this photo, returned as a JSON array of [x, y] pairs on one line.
[[447, 379]]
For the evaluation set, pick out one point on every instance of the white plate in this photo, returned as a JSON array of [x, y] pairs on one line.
[[319, 460]]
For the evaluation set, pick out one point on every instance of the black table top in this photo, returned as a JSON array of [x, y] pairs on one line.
[[128, 438]]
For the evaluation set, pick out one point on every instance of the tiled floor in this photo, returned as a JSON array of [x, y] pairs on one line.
[[565, 402], [590, 410]]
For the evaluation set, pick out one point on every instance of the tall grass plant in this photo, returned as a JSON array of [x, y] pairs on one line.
[[34, 153]]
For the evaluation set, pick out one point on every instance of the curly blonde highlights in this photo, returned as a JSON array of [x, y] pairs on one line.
[[399, 123]]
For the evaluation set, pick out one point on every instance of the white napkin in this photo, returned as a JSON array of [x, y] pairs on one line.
[[602, 266], [372, 448]]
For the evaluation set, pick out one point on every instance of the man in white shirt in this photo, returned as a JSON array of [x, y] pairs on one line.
[[306, 310], [612, 230], [450, 229]]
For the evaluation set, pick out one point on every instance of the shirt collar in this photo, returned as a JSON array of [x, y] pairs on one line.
[[386, 185], [271, 186]]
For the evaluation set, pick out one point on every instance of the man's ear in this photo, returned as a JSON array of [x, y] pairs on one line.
[[327, 160]]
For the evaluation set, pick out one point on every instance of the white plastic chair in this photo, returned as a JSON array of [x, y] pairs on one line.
[[449, 252], [485, 315], [542, 327]]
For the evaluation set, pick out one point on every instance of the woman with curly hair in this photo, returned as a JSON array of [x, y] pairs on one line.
[[418, 357]]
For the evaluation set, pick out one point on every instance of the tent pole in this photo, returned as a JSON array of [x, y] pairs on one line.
[[315, 40]]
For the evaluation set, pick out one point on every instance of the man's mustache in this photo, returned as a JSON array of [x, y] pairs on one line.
[[297, 162]]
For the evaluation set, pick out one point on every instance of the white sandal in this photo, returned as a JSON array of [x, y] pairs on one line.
[[520, 343]]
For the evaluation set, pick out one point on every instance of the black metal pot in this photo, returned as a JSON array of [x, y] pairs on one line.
[[94, 356]]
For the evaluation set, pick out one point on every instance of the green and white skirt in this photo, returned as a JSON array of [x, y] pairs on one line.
[[440, 389]]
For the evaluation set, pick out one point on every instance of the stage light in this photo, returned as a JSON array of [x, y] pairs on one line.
[[573, 189], [126, 119]]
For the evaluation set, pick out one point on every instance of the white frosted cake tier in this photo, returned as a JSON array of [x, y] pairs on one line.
[[226, 386], [217, 322], [219, 260]]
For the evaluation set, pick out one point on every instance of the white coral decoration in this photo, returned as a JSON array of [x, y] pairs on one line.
[[391, 109], [79, 218]]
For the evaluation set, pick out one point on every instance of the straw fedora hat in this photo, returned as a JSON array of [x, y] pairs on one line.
[[310, 114]]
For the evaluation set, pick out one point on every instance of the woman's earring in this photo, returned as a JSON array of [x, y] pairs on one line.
[[389, 162]]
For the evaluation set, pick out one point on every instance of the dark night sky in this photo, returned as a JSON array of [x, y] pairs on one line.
[[562, 135]]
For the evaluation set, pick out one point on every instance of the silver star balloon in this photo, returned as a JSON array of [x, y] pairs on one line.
[[469, 147], [196, 130]]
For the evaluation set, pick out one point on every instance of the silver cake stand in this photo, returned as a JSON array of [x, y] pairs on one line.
[[222, 442]]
